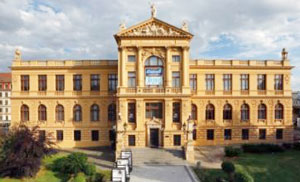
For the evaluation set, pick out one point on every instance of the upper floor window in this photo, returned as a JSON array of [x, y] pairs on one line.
[[227, 82], [193, 81], [77, 82], [42, 82], [278, 82], [210, 112], [261, 82], [95, 82], [131, 112], [154, 110], [194, 112], [244, 81], [176, 112], [24, 113], [279, 111], [176, 58], [42, 113], [154, 71], [59, 113], [112, 112], [227, 112], [77, 113], [245, 112], [176, 79], [210, 82], [131, 79], [262, 111], [131, 58], [112, 82], [25, 82], [95, 112], [60, 82]]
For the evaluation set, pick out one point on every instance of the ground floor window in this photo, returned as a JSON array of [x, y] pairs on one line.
[[42, 135], [227, 134], [154, 110], [177, 140], [245, 134], [59, 135], [262, 134], [279, 134], [210, 134], [131, 140], [194, 134], [77, 135], [95, 135]]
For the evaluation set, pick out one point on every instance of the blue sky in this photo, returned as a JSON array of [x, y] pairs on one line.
[[77, 29]]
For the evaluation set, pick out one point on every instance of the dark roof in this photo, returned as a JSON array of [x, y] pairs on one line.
[[5, 77]]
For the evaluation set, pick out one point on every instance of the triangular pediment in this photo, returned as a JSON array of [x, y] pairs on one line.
[[154, 28]]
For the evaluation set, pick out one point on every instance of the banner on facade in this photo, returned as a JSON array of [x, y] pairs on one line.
[[154, 76]]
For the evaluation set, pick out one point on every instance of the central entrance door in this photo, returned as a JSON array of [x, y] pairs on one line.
[[154, 137]]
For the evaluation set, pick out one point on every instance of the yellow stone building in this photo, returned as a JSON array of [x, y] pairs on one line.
[[154, 95]]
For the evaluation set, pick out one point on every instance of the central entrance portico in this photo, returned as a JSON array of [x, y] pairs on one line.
[[154, 133]]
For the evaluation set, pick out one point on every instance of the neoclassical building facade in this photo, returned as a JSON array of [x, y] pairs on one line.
[[154, 95]]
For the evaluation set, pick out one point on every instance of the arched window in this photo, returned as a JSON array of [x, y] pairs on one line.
[[262, 111], [42, 113], [279, 111], [245, 112], [95, 112], [194, 112], [210, 112], [227, 112], [59, 113], [154, 71], [77, 113], [24, 113], [112, 113]]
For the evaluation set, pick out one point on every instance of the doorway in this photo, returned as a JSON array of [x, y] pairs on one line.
[[154, 137]]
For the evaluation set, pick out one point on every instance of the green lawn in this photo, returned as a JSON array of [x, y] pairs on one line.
[[264, 167], [45, 175]]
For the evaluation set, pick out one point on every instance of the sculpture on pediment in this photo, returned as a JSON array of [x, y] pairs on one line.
[[122, 26], [17, 54], [284, 54], [153, 10], [185, 26], [153, 30]]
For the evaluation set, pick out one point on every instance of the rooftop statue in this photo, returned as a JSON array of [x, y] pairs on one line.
[[153, 10]]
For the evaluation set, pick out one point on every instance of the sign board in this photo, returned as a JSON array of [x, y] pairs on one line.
[[154, 76], [124, 163], [118, 175], [127, 154]]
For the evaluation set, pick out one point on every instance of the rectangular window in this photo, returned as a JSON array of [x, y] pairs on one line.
[[176, 112], [177, 140], [6, 102], [193, 81], [131, 58], [176, 79], [112, 82], [210, 134], [131, 140], [77, 82], [42, 135], [261, 82], [131, 112], [227, 82], [244, 81], [194, 134], [176, 58], [95, 82], [95, 135], [154, 110], [60, 82], [59, 135], [77, 135], [227, 134], [262, 134], [210, 82], [279, 134], [25, 82], [6, 94], [278, 82], [42, 82], [131, 79], [245, 134]]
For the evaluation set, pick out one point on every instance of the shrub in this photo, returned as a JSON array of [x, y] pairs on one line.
[[287, 145], [296, 146], [228, 167], [262, 148], [242, 177], [96, 178], [80, 177], [232, 152], [22, 150]]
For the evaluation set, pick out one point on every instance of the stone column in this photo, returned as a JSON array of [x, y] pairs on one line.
[[185, 70], [168, 74], [123, 67], [140, 68], [120, 130]]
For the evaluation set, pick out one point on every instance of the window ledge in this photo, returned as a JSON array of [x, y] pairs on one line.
[[261, 120], [244, 121], [227, 120], [210, 120]]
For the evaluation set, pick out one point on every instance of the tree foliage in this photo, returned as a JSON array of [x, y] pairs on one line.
[[22, 150]]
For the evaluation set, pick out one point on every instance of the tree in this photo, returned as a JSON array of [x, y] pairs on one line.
[[228, 167], [22, 150]]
